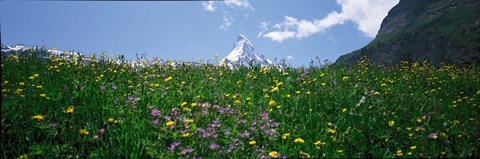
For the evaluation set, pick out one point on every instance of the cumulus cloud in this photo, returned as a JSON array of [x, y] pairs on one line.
[[227, 21], [366, 14], [209, 6], [289, 57]]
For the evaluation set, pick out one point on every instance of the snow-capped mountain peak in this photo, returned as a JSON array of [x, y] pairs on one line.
[[243, 54]]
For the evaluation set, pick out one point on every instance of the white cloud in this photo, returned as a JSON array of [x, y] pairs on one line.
[[289, 57], [238, 3], [209, 6], [263, 28], [366, 14], [227, 21]]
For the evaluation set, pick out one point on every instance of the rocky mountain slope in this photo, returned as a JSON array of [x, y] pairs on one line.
[[439, 31]]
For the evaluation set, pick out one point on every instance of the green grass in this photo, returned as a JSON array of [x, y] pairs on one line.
[[217, 112]]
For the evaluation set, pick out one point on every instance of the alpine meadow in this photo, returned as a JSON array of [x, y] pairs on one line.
[[59, 107]]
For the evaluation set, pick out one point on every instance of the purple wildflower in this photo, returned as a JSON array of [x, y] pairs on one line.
[[263, 115], [214, 146], [187, 150], [102, 88], [214, 135], [244, 134], [150, 107], [167, 117], [153, 75], [164, 75], [130, 98], [155, 112], [96, 137], [155, 122], [243, 121], [206, 105], [269, 132], [216, 106], [230, 148], [173, 145], [114, 87], [252, 128], [175, 112], [101, 131], [53, 124], [227, 132]]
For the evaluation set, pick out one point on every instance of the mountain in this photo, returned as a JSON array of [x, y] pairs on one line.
[[243, 54], [438, 31], [19, 48]]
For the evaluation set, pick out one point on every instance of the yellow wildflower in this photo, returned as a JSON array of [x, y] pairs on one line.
[[271, 103], [300, 140], [323, 84], [168, 79], [332, 131], [339, 151], [70, 109], [253, 142], [193, 104], [39, 87], [284, 136], [413, 147], [186, 134], [169, 123], [419, 120], [183, 104], [189, 121], [31, 78], [35, 75], [273, 154], [21, 83], [344, 110], [43, 95], [83, 132], [305, 154], [376, 93], [110, 120], [391, 123], [38, 117], [345, 78]]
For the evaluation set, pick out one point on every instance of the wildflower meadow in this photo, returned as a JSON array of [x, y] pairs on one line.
[[58, 107]]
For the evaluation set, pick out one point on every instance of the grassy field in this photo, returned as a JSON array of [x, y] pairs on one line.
[[59, 108]]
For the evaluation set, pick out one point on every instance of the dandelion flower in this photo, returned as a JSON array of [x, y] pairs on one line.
[[376, 93], [284, 136], [273, 154], [271, 103], [332, 131], [38, 117], [344, 110], [413, 147], [300, 140], [169, 123], [339, 151], [43, 95], [186, 135], [253, 142]]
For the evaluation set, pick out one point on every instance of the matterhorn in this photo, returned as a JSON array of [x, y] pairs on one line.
[[243, 54]]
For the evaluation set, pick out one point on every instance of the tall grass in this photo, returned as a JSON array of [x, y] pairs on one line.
[[59, 108]]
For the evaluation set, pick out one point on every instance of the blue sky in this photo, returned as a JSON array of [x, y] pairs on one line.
[[297, 30]]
